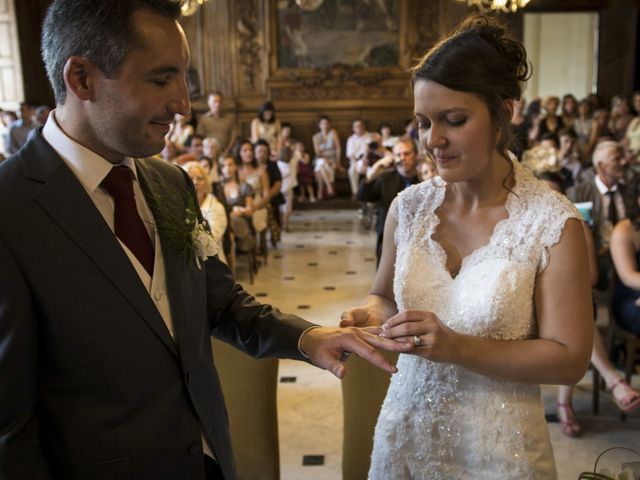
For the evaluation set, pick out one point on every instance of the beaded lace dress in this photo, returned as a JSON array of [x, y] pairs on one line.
[[440, 421]]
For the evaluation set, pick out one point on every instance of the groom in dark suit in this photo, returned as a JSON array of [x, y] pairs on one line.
[[107, 297]]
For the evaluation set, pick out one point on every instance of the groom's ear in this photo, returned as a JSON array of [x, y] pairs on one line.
[[82, 78]]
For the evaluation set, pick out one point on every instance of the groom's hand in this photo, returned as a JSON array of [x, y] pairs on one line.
[[328, 347]]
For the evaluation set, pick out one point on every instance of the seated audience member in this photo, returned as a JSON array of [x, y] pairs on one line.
[[620, 117], [569, 157], [606, 195], [288, 166], [599, 131], [548, 121], [387, 139], [521, 126], [357, 145], [169, 152], [328, 152], [382, 188], [180, 131], [212, 210], [632, 137], [582, 124], [195, 145], [427, 169], [18, 131], [239, 197], [625, 397], [274, 197], [568, 110], [625, 252], [549, 140], [41, 115], [305, 173], [265, 126], [286, 140], [216, 124], [211, 151]]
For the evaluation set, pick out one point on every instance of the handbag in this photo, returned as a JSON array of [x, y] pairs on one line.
[[259, 219]]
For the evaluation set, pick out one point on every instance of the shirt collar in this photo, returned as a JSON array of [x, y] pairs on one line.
[[89, 168], [602, 188]]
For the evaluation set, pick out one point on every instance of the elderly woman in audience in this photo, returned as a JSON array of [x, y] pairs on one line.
[[625, 398], [239, 197], [266, 126], [212, 209]]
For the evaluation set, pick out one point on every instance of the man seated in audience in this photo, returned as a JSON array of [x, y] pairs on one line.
[[382, 186], [217, 125], [606, 194], [569, 157], [357, 145], [195, 145], [19, 130]]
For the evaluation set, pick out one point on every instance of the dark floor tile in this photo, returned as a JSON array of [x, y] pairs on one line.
[[369, 259], [317, 237], [288, 379], [312, 460], [312, 264], [262, 294], [330, 288], [278, 257], [289, 278], [551, 418], [350, 242], [304, 307], [333, 252], [299, 246], [351, 272]]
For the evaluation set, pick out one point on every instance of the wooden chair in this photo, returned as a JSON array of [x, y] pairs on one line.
[[250, 389], [363, 391], [631, 343]]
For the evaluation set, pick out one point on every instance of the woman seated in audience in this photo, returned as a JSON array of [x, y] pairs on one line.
[[305, 173], [266, 126], [285, 141], [326, 145], [521, 127], [582, 124], [625, 251], [626, 398], [632, 137], [180, 130], [273, 198], [387, 139], [620, 117], [568, 110], [548, 121], [213, 211], [239, 197]]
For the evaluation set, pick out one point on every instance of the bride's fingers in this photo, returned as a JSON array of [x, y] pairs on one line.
[[408, 316]]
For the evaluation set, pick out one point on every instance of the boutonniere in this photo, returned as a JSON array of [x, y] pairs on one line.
[[202, 241], [181, 226]]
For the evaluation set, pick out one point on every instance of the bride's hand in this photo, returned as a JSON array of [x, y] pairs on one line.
[[360, 317], [432, 339]]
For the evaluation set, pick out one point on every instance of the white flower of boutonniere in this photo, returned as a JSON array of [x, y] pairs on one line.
[[203, 244]]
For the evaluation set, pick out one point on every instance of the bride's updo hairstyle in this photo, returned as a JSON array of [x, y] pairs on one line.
[[480, 57]]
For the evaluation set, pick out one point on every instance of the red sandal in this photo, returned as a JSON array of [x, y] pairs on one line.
[[570, 426], [632, 404]]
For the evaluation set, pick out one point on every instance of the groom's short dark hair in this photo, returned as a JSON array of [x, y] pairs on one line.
[[98, 30]]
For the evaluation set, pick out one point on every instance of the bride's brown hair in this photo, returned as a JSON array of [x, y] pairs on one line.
[[481, 57]]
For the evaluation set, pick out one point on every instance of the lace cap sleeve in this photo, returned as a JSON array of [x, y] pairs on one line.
[[559, 210]]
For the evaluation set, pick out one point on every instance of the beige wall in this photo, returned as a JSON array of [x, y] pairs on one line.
[[562, 48]]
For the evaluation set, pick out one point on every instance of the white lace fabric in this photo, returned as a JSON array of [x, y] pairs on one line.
[[440, 421]]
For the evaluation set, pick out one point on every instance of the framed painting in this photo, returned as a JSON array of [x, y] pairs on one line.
[[318, 34]]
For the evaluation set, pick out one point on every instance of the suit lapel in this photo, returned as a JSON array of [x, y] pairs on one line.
[[179, 272], [62, 197]]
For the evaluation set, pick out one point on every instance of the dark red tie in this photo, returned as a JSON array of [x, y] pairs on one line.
[[128, 224]]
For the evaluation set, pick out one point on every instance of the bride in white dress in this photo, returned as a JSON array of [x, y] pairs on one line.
[[487, 276]]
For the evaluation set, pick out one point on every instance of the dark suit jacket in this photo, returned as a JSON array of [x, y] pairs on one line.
[[92, 386], [382, 191], [588, 192]]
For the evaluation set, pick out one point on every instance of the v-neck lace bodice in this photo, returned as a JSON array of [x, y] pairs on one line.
[[440, 421]]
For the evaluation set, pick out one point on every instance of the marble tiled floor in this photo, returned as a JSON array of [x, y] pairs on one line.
[[324, 266]]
